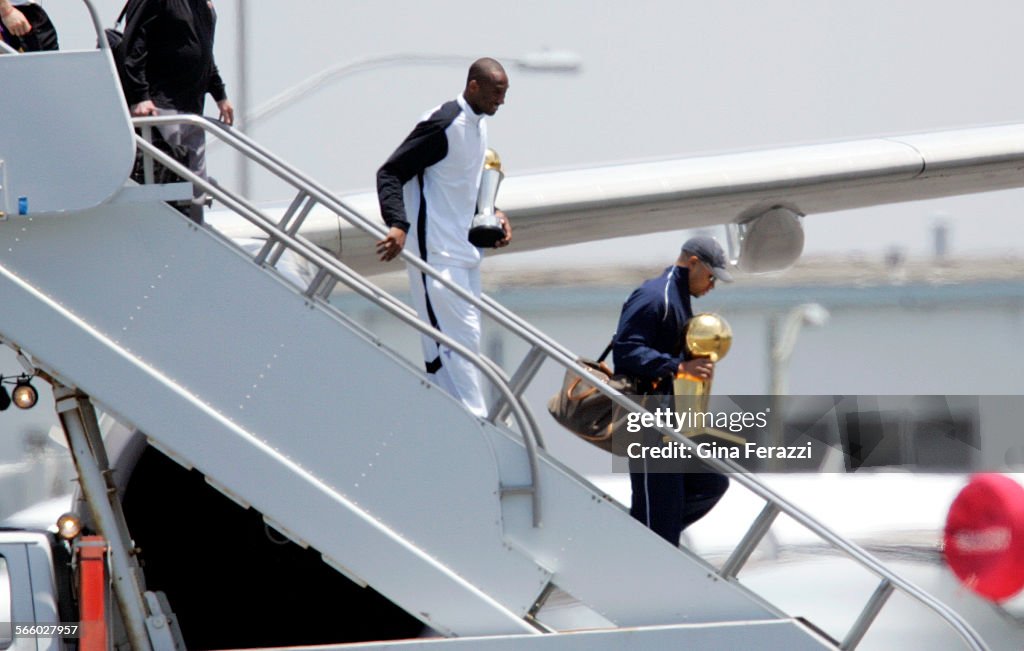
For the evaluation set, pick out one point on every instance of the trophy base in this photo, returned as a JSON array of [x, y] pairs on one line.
[[485, 237]]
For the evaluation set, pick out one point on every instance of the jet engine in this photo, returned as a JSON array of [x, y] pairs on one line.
[[769, 241]]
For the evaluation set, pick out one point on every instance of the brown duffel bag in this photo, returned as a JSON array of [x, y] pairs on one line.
[[586, 412]]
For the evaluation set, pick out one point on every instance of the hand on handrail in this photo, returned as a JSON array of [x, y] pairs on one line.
[[144, 108], [13, 19], [227, 111], [389, 248]]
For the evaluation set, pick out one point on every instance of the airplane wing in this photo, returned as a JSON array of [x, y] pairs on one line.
[[565, 207]]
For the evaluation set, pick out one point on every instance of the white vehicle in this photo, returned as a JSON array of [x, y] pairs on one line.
[[237, 511]]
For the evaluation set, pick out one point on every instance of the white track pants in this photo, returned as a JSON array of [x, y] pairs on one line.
[[459, 320]]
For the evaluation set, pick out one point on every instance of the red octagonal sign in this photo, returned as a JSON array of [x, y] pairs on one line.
[[984, 540]]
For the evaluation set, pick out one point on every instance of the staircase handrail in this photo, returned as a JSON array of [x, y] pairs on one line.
[[776, 503]]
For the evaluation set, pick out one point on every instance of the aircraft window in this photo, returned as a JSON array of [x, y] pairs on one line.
[[6, 635]]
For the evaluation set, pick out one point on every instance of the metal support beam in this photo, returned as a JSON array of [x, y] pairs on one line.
[[292, 228], [316, 283], [520, 380], [261, 257], [147, 161], [867, 616], [750, 541], [82, 431]]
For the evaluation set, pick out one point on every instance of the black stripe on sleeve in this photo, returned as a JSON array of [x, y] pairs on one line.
[[426, 145]]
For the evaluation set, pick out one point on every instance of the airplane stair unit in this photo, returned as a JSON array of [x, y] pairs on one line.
[[230, 368]]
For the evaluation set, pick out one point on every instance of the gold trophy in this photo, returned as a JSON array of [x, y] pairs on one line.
[[486, 229], [706, 335]]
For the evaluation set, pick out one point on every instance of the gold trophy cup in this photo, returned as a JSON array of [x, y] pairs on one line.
[[706, 335], [486, 229]]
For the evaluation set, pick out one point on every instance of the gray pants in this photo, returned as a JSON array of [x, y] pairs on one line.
[[193, 140]]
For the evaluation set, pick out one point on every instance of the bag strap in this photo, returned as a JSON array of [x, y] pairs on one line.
[[124, 12], [607, 350]]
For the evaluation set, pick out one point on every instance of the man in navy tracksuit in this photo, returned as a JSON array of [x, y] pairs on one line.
[[649, 347], [428, 192]]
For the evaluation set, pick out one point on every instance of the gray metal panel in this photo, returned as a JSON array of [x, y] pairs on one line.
[[232, 371], [205, 323], [59, 129], [32, 590], [785, 635], [606, 559], [44, 589], [269, 351]]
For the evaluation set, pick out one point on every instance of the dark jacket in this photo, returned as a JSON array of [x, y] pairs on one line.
[[649, 340], [168, 54]]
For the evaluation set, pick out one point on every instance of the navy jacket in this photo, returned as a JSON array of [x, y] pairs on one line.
[[649, 340]]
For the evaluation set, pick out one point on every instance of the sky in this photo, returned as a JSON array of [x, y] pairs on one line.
[[658, 80]]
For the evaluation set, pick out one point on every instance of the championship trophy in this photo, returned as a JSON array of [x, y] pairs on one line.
[[486, 229], [706, 335]]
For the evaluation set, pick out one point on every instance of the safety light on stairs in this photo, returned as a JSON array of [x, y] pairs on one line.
[[69, 526], [23, 396]]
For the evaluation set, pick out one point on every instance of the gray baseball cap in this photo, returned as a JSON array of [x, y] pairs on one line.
[[709, 251]]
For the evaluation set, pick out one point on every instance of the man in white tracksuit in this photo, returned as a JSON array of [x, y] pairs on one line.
[[428, 194]]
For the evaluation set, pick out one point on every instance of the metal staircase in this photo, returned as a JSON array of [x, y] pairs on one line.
[[230, 368]]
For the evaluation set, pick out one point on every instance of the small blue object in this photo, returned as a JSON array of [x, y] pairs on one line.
[[22, 205]]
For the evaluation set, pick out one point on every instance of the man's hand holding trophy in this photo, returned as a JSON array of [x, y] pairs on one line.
[[490, 227], [708, 337]]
